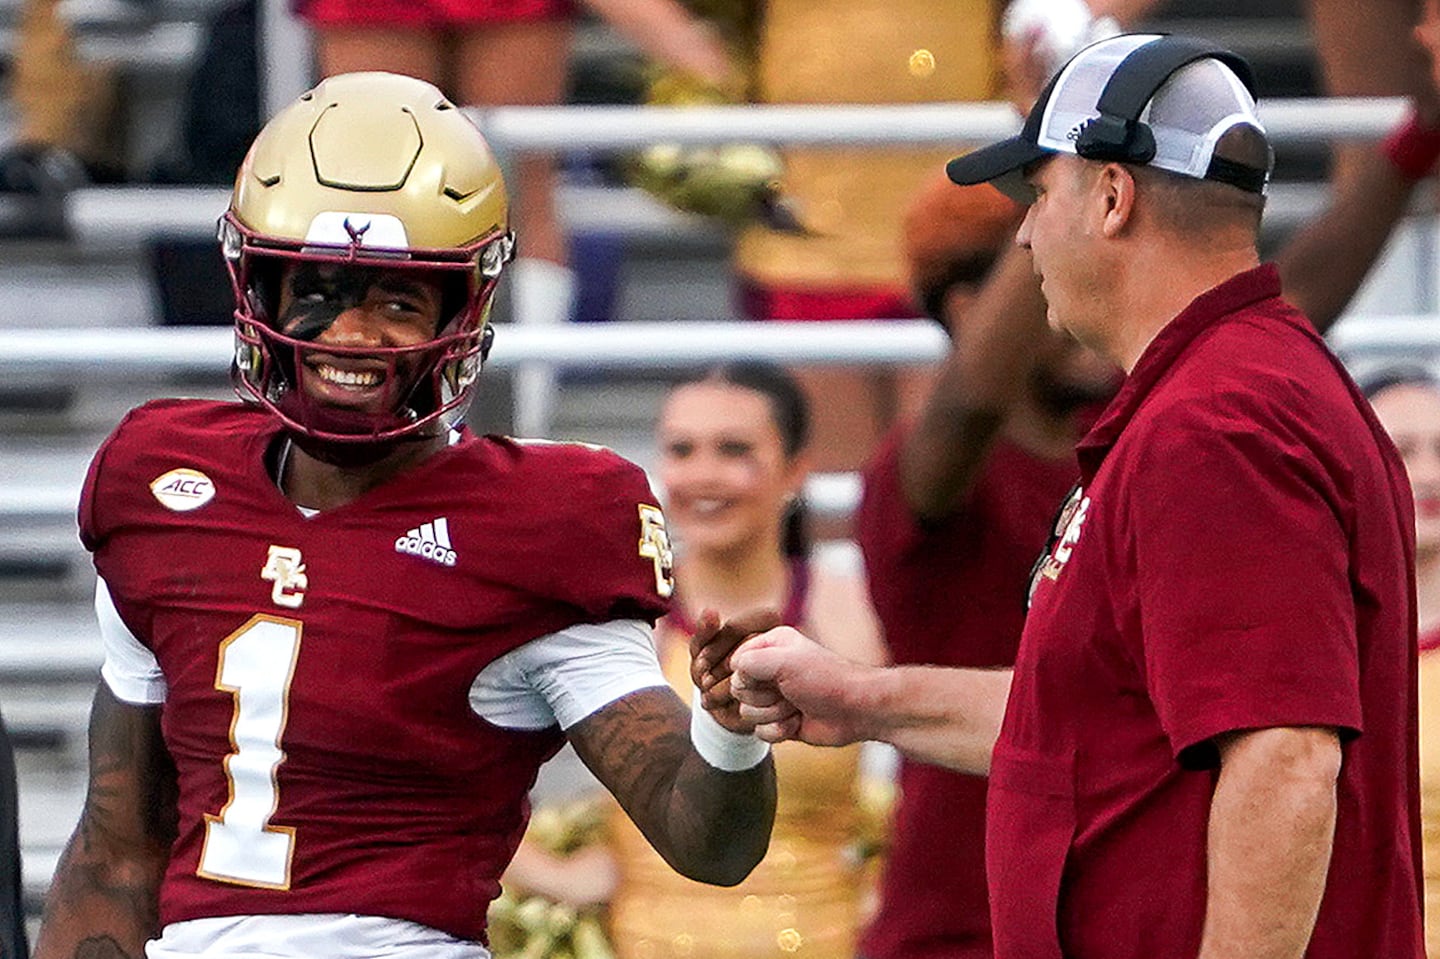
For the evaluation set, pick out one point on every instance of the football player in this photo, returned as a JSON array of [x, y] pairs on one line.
[[342, 632]]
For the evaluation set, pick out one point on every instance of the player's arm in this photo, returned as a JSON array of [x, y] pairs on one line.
[[1272, 827], [989, 364], [667, 32], [709, 823], [103, 901], [704, 797], [1323, 264], [794, 688], [1327, 259]]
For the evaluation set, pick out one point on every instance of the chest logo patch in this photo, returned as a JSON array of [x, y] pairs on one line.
[[286, 570], [429, 541], [183, 489], [1069, 538], [1069, 523]]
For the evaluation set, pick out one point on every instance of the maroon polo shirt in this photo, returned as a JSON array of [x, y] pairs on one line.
[[1241, 556], [949, 593]]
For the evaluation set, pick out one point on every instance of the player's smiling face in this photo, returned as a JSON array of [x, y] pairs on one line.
[[357, 308], [727, 478]]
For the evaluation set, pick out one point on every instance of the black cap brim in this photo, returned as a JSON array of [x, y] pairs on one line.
[[1002, 165]]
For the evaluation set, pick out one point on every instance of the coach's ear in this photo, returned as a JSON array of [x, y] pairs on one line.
[[1116, 185]]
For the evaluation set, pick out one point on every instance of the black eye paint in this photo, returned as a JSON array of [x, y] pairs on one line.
[[318, 295]]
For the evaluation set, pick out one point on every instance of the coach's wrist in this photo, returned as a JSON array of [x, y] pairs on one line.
[[727, 751], [1413, 148]]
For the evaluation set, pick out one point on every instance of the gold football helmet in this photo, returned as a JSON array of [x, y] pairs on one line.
[[368, 170]]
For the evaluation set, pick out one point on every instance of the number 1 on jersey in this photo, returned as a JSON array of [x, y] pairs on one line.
[[257, 662]]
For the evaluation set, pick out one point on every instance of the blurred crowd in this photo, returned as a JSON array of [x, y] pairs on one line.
[[963, 464]]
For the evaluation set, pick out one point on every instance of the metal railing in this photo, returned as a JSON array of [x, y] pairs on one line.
[[102, 353], [609, 128]]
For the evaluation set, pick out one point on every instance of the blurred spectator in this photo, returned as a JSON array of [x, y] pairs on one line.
[[63, 101], [72, 123], [733, 462], [1407, 401], [1325, 262], [955, 510], [67, 132], [486, 53], [1363, 50], [848, 265]]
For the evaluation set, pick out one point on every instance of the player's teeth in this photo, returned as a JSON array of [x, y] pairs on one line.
[[348, 377]]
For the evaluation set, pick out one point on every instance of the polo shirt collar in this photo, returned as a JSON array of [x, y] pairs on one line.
[[1210, 307]]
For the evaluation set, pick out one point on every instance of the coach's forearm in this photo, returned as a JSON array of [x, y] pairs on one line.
[[1272, 828], [936, 714]]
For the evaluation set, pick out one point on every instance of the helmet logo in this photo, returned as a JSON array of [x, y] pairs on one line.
[[373, 231], [357, 233]]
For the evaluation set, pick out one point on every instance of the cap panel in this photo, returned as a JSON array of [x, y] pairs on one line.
[[1191, 111], [1079, 86]]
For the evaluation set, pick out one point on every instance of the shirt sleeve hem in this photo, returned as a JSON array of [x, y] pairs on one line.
[[604, 696], [1188, 743], [136, 692]]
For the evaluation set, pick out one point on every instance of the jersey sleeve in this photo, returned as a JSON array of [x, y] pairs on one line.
[[561, 678], [1242, 586], [130, 669], [611, 555], [92, 516]]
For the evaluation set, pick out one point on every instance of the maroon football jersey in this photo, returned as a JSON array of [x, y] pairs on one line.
[[318, 670]]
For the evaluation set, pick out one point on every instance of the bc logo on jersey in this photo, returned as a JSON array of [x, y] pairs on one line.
[[655, 546], [285, 568]]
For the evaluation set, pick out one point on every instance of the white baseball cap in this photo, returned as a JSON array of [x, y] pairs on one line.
[[1142, 98]]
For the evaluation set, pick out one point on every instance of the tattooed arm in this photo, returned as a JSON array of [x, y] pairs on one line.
[[710, 825], [104, 900]]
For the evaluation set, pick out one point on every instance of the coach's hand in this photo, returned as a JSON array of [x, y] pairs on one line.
[[791, 687]]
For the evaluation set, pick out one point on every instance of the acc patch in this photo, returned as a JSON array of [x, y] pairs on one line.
[[183, 489]]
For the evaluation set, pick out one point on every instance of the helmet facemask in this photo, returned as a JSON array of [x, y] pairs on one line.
[[428, 385]]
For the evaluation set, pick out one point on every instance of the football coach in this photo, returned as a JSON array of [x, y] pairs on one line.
[[1207, 746]]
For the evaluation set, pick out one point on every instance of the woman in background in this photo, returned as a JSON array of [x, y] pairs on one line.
[[732, 465], [1407, 400]]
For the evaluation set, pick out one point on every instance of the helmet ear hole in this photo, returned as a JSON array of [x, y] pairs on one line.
[[263, 287], [454, 298]]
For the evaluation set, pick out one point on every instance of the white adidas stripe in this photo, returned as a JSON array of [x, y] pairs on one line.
[[442, 532]]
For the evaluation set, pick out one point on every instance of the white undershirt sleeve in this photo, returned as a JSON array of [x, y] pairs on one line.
[[565, 676], [130, 670]]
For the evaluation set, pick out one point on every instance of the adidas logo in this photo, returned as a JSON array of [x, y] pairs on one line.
[[429, 540]]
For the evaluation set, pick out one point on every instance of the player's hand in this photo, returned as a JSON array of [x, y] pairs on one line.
[[1039, 36], [711, 647], [791, 687]]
